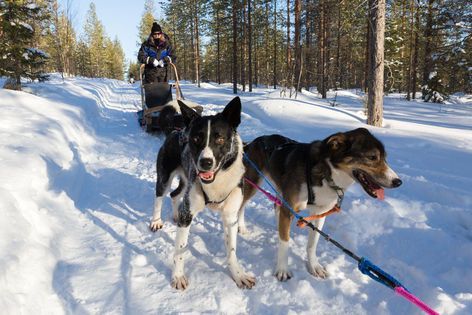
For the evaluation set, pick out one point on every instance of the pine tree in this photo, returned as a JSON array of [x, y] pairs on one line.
[[328, 40], [235, 54], [95, 38], [61, 40], [117, 57], [19, 56], [133, 71], [83, 59], [147, 19]]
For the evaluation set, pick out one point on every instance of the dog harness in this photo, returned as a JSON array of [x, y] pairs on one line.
[[311, 195]]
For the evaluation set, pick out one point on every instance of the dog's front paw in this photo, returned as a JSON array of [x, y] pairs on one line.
[[156, 224], [244, 280], [283, 275], [179, 282], [318, 270]]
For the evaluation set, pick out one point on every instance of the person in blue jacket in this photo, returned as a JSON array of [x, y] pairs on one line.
[[155, 53]]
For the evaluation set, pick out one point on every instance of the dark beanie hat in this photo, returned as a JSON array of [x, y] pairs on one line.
[[156, 28]]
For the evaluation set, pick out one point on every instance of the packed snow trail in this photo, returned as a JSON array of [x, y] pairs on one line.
[[77, 186]]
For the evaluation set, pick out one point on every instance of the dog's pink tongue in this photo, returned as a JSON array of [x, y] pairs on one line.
[[205, 175], [380, 193]]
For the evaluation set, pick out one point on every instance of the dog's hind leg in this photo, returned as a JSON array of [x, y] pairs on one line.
[[314, 267], [176, 196], [242, 229], [248, 193], [164, 180], [282, 272]]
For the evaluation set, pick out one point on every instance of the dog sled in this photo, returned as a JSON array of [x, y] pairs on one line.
[[160, 112]]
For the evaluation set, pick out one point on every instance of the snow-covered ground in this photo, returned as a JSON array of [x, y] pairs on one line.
[[77, 187]]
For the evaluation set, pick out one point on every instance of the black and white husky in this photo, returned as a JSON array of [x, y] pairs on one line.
[[207, 158]]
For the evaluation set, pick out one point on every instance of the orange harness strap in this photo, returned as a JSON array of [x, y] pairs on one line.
[[301, 223]]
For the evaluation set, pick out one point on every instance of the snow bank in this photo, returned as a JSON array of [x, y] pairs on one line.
[[77, 186]]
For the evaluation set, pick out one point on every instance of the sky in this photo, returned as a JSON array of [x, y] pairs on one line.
[[119, 17]]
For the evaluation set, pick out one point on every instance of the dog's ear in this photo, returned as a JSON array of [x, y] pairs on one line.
[[336, 142], [188, 114], [232, 112]]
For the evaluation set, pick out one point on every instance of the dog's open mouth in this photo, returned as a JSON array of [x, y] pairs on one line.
[[369, 184], [206, 176]]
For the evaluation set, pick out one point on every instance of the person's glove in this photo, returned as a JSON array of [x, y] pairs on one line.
[[151, 61], [160, 63], [155, 63]]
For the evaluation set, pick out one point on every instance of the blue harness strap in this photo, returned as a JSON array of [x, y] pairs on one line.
[[368, 268]]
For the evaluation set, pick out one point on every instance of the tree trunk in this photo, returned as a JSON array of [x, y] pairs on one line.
[[338, 50], [242, 50], [367, 54], [401, 82], [327, 44], [289, 57], [185, 60], [415, 59], [412, 50], [58, 40], [192, 43], [266, 51], [197, 46], [235, 60], [249, 37], [256, 61], [275, 44], [218, 52], [376, 58], [308, 21], [298, 55], [428, 32], [322, 48]]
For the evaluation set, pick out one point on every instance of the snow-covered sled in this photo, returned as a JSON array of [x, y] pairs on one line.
[[160, 112]]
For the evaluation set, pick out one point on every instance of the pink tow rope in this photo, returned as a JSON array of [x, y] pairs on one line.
[[265, 192], [413, 299]]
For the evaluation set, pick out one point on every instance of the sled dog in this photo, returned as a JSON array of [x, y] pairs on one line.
[[170, 117], [314, 176], [207, 157]]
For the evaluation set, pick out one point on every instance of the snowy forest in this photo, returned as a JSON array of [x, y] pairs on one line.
[[294, 44], [38, 37]]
